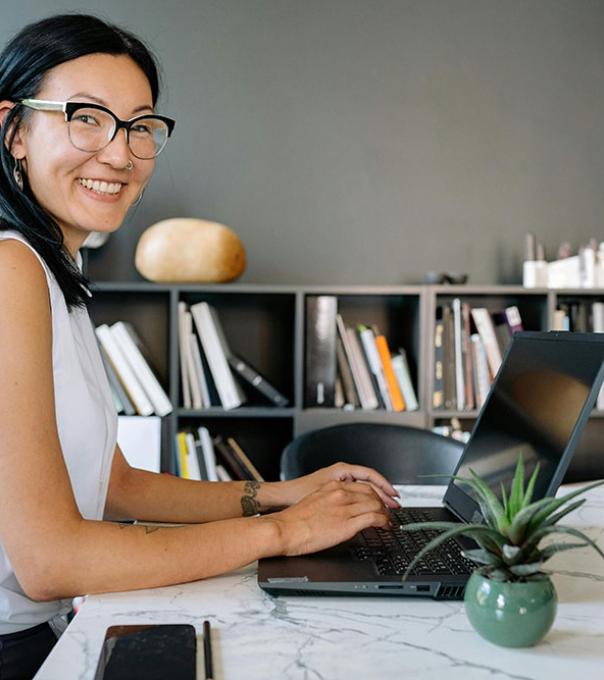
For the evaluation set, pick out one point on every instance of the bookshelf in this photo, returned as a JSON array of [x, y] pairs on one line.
[[266, 325]]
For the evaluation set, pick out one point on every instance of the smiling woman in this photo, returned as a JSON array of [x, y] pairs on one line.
[[80, 136]]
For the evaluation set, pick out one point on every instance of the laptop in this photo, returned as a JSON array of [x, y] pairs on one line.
[[538, 406]]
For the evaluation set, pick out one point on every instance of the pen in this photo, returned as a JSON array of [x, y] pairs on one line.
[[207, 650]]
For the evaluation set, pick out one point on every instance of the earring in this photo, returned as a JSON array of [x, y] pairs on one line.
[[139, 199], [18, 173]]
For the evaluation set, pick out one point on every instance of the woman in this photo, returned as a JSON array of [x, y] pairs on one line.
[[79, 142]]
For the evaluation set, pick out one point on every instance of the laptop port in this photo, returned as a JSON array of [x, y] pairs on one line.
[[392, 587], [423, 589]]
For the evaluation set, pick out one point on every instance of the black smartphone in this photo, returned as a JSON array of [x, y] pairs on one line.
[[153, 652]]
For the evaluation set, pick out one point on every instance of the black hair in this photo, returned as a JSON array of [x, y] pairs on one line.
[[24, 63]]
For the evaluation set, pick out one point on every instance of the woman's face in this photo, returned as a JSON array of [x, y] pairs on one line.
[[56, 170]]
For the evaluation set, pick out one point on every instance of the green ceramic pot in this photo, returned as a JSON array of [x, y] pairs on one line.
[[510, 614]]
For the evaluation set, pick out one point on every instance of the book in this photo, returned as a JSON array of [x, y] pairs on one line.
[[486, 330], [320, 351], [127, 377], [375, 366], [502, 331], [458, 342], [351, 398], [369, 400], [467, 356], [230, 461], [244, 460], [364, 402], [400, 366], [190, 342], [209, 456], [203, 471], [133, 349], [216, 351], [198, 372], [450, 386], [185, 384], [339, 394], [255, 379], [181, 455], [123, 403], [192, 462], [438, 379], [222, 474], [482, 380], [396, 397]]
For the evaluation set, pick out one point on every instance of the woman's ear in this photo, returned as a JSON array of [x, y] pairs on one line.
[[17, 149]]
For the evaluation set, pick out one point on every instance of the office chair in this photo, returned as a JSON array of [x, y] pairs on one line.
[[402, 454]]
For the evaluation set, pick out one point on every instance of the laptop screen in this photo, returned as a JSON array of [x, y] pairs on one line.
[[534, 406]]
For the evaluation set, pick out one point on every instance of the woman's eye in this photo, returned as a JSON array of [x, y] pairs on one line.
[[141, 129], [86, 119]]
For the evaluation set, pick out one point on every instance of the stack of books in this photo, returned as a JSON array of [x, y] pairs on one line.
[[135, 388], [582, 316], [201, 457], [352, 368], [469, 343], [210, 372]]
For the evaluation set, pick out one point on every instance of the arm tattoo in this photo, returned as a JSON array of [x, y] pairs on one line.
[[249, 504], [149, 528]]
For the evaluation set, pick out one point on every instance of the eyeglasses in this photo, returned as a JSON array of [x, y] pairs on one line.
[[92, 127]]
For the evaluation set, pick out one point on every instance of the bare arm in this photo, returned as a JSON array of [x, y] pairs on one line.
[[138, 494], [57, 553]]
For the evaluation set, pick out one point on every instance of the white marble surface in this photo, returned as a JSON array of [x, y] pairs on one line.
[[257, 636]]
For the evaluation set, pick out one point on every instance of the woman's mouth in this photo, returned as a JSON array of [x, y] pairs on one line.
[[101, 187]]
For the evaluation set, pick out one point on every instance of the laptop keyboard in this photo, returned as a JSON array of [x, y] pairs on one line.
[[392, 550]]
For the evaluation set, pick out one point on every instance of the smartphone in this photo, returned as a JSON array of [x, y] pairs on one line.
[[153, 652]]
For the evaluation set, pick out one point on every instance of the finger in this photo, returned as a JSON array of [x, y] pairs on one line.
[[367, 474], [368, 519], [370, 505], [370, 488]]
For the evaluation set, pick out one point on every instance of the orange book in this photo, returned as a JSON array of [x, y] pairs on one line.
[[398, 403]]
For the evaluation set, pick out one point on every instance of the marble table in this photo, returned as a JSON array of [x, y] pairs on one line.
[[257, 636]]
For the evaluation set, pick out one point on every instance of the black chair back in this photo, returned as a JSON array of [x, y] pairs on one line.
[[402, 454]]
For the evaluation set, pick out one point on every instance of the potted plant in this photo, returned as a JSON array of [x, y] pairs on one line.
[[509, 598]]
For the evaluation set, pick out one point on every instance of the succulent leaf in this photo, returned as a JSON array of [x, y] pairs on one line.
[[525, 569], [482, 557], [528, 494], [553, 548], [491, 500], [517, 491], [510, 552]]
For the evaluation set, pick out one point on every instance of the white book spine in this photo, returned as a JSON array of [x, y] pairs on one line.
[[481, 369], [375, 364], [223, 378], [222, 474], [182, 346], [486, 330], [460, 383], [122, 367], [209, 456], [192, 462], [192, 373], [368, 399], [158, 398], [403, 377], [201, 376]]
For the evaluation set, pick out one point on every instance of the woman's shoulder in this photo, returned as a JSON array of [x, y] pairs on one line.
[[22, 270]]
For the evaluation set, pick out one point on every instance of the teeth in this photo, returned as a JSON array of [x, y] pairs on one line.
[[101, 187]]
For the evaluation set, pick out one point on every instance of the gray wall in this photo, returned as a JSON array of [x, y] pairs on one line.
[[367, 141]]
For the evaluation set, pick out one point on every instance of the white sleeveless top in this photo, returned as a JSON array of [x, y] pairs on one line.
[[87, 427]]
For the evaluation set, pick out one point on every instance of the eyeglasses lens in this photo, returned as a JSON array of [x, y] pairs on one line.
[[92, 130]]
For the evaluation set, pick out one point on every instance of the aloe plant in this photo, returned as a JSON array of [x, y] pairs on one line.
[[509, 541]]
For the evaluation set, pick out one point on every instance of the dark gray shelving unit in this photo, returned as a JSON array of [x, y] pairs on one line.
[[266, 325]]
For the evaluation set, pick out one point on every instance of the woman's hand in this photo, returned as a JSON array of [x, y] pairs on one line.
[[296, 489], [333, 513]]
